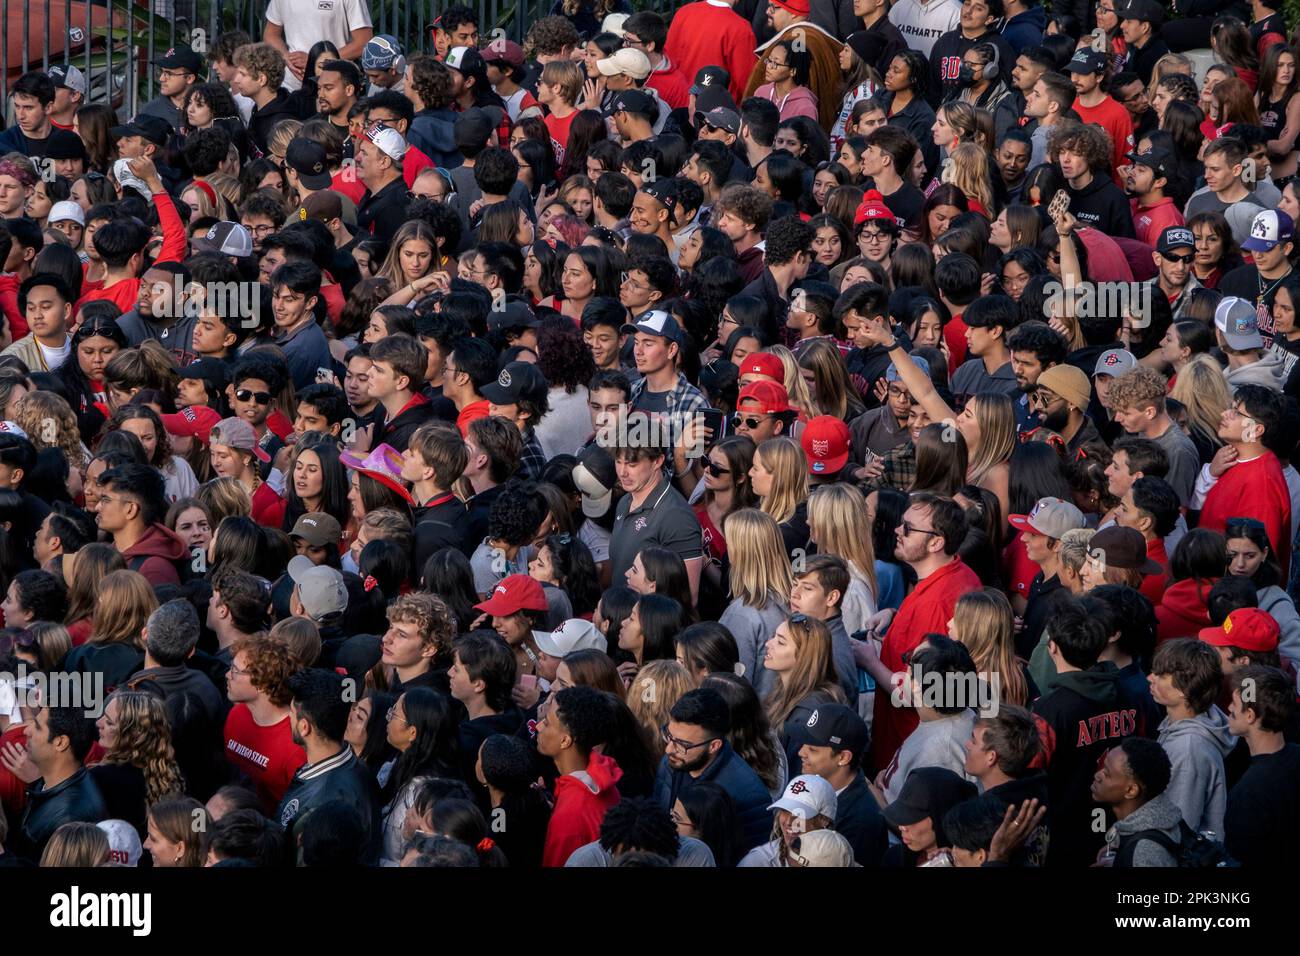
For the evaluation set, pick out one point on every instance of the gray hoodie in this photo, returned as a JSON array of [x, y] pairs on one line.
[[1196, 748], [1157, 814], [1283, 610], [751, 627], [1269, 371]]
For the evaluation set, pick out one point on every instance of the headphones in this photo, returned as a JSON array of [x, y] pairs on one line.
[[993, 67]]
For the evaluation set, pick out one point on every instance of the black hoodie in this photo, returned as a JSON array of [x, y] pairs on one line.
[[1085, 713], [1101, 205], [1016, 792], [946, 59], [265, 118]]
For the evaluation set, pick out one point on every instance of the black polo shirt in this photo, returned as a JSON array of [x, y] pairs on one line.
[[663, 520], [381, 214]]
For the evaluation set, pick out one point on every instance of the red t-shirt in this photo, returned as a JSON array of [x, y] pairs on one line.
[[413, 163], [1253, 489], [954, 334], [470, 412], [1115, 120], [1153, 585], [345, 181], [1017, 570], [266, 755], [559, 130], [926, 610]]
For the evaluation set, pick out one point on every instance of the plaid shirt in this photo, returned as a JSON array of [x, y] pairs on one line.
[[683, 402], [532, 461], [900, 469]]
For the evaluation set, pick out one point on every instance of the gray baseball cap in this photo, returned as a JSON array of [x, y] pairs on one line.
[[321, 589], [1050, 516]]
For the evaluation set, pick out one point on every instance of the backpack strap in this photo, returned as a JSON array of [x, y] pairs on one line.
[[1128, 846]]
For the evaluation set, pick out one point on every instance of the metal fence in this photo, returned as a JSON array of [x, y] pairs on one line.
[[114, 42]]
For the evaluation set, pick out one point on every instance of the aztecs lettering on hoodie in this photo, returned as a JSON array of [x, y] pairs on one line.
[[1109, 726]]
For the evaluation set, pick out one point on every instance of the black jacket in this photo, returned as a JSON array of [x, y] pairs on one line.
[[441, 525], [1100, 204], [398, 432], [1034, 786], [381, 214], [858, 820], [264, 120], [75, 799], [341, 777], [475, 527]]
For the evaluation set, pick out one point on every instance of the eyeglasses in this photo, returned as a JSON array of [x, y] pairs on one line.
[[1186, 260], [260, 230], [392, 712], [749, 421], [234, 671], [717, 471], [776, 63], [248, 395], [868, 236], [628, 281], [910, 530], [685, 746]]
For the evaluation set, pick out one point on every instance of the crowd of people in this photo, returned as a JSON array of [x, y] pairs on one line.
[[781, 434]]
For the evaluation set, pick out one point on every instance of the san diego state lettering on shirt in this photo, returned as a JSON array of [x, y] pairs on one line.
[[950, 67], [1109, 726]]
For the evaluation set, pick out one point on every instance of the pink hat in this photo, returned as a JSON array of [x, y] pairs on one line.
[[384, 464]]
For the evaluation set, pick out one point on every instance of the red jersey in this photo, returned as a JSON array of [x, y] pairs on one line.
[[266, 755], [926, 610], [1115, 120], [1253, 489]]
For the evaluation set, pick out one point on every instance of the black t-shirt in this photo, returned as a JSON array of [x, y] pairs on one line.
[[381, 214], [1246, 283], [906, 203], [14, 140]]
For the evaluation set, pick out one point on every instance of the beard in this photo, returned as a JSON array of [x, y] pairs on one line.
[[1056, 421]]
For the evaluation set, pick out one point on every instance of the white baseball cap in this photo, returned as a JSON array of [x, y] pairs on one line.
[[822, 848], [574, 634], [124, 846], [65, 210], [390, 141], [808, 796], [627, 60]]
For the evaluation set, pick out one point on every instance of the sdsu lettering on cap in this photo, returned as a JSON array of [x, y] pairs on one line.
[[504, 379], [798, 787], [1180, 235], [1112, 359], [812, 721]]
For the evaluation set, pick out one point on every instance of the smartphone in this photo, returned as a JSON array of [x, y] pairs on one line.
[[528, 680], [715, 420], [1059, 204]]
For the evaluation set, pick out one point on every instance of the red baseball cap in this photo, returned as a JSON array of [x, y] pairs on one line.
[[825, 441], [1248, 628], [799, 8], [873, 209], [193, 421], [765, 364], [771, 398], [519, 592]]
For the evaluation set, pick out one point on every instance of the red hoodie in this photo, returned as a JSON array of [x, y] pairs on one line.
[[9, 306], [155, 555], [581, 800], [1182, 611], [125, 293]]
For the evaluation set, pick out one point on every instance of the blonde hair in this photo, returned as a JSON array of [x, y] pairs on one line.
[[76, 844], [282, 135], [760, 568], [1166, 65], [413, 230], [206, 206], [1203, 391], [969, 172], [795, 386], [786, 461], [984, 623], [996, 415], [837, 515], [814, 670], [126, 600], [657, 687], [144, 740], [49, 422], [225, 186], [567, 75], [223, 498], [181, 819]]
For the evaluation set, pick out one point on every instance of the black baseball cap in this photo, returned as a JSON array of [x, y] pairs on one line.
[[663, 190], [512, 314], [928, 792], [153, 128], [181, 58], [473, 127], [1160, 161], [1086, 61], [517, 380], [1145, 10], [210, 370], [307, 158], [714, 98], [709, 77], [64, 144], [635, 101], [838, 727], [725, 119]]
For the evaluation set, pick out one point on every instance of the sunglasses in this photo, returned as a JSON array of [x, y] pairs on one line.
[[248, 395], [717, 471], [749, 421], [1187, 259]]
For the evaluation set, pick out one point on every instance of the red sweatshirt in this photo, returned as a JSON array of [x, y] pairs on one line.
[[125, 293], [1253, 489], [9, 306], [710, 33], [926, 610], [581, 800], [1182, 611]]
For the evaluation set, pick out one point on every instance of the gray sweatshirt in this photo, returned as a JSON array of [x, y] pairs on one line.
[[1269, 371], [1282, 608], [751, 627], [1157, 814], [1196, 747], [934, 743]]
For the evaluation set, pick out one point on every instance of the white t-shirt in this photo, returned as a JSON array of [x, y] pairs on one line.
[[923, 23], [55, 357], [306, 22]]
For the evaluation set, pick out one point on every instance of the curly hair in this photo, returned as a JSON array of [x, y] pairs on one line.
[[431, 81], [550, 35], [1138, 388], [144, 740], [270, 665], [516, 513], [1090, 142], [49, 422], [262, 59], [561, 355], [431, 615]]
